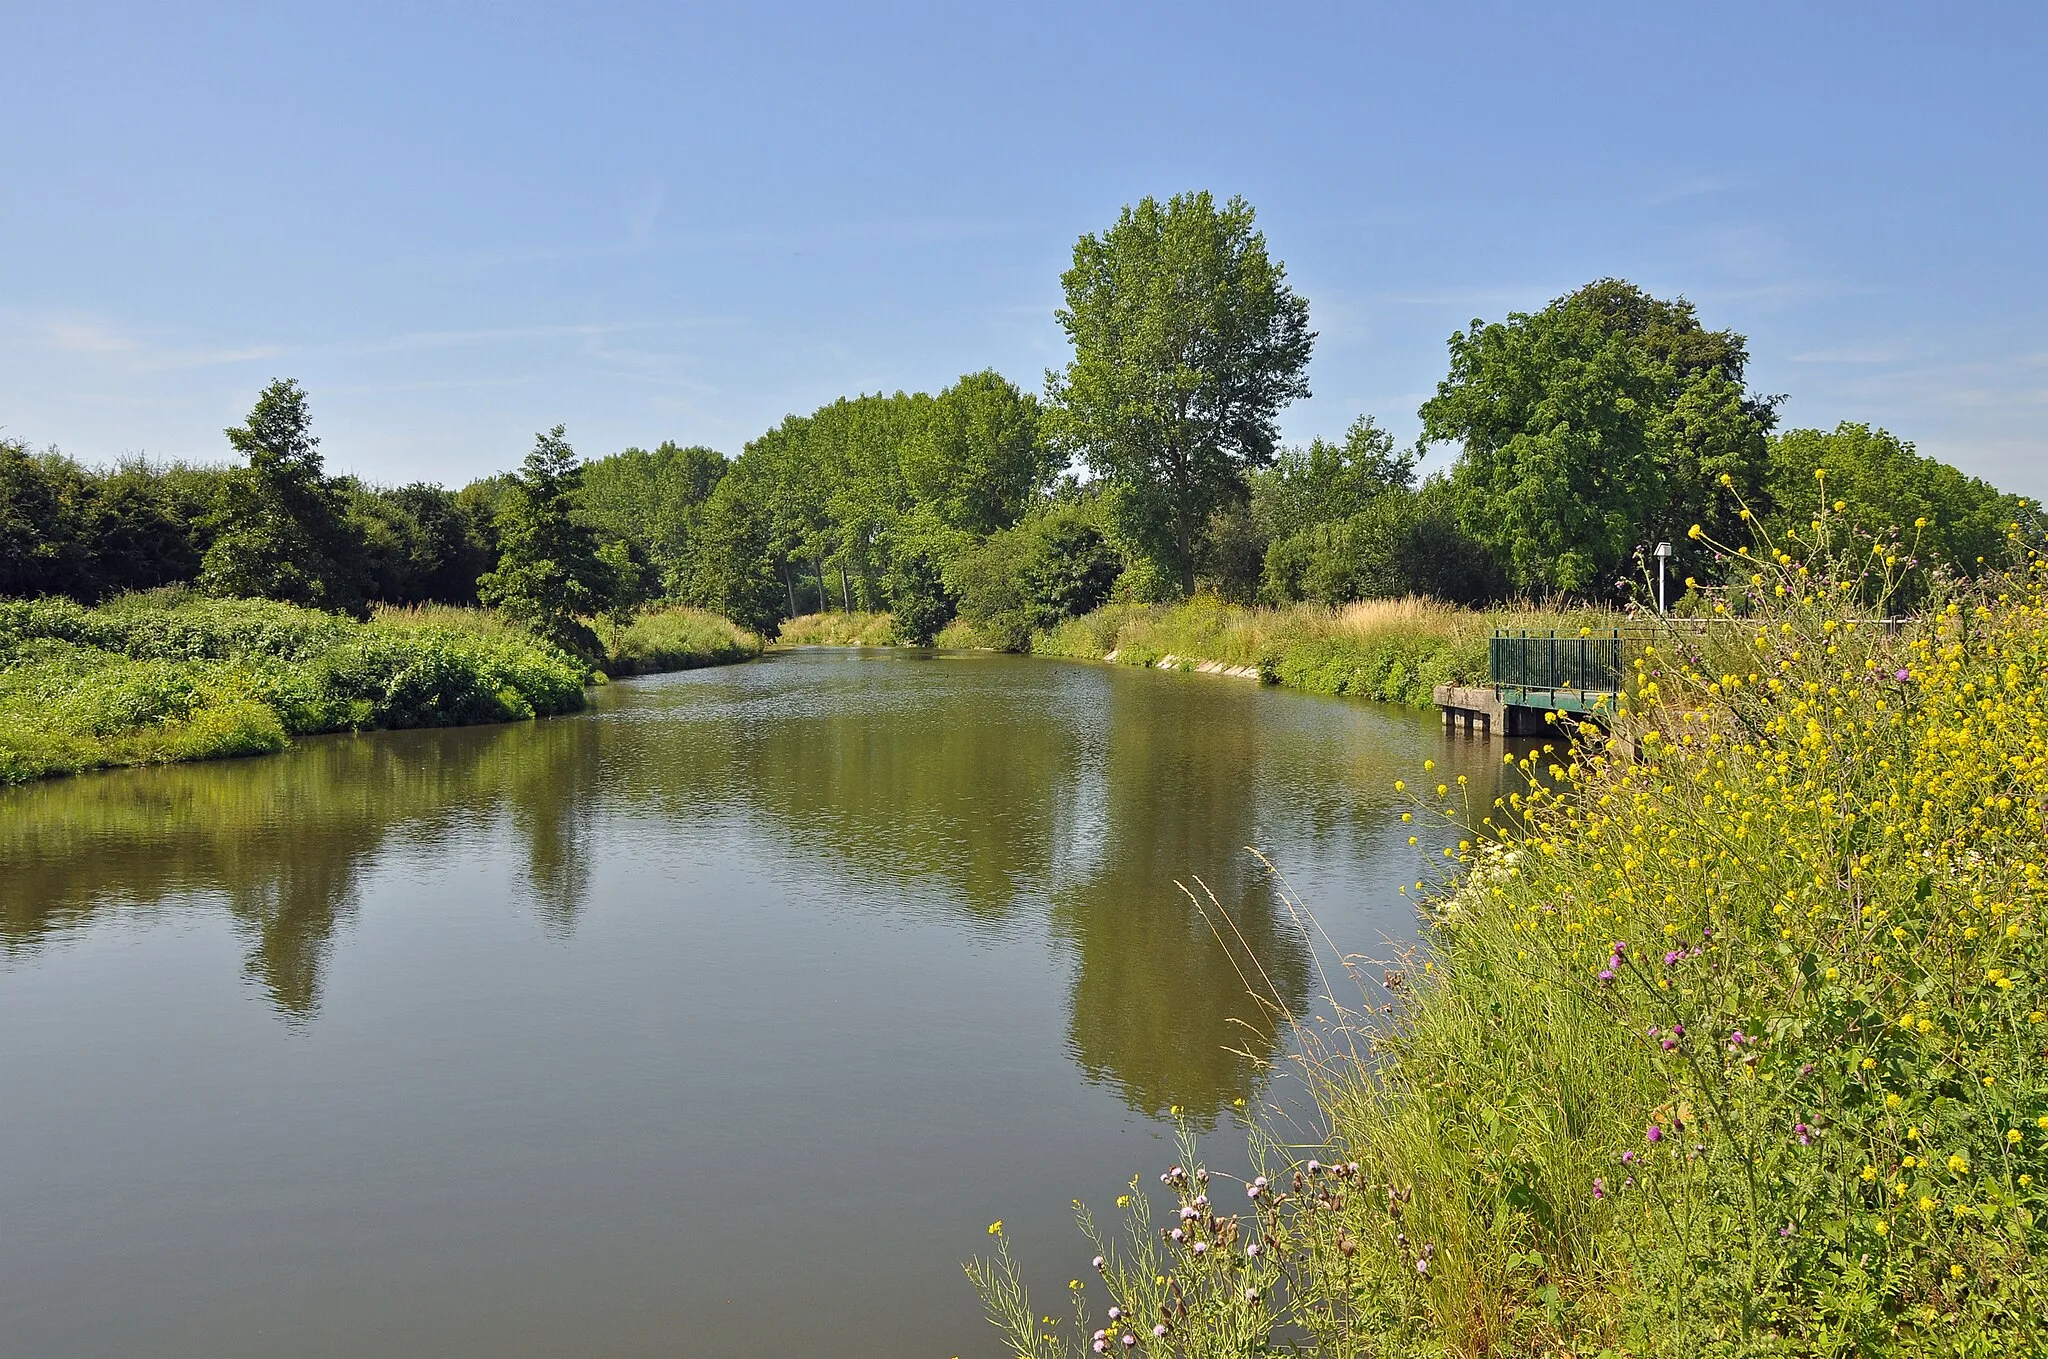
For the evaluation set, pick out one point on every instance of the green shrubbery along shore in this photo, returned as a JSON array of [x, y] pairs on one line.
[[171, 676]]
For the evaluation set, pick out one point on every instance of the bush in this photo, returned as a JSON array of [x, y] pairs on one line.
[[168, 676]]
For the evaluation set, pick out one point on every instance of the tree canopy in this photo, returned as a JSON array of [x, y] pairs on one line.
[[1188, 341], [1603, 422], [281, 526], [550, 576]]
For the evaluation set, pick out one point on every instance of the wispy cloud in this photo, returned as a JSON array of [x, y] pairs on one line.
[[113, 343]]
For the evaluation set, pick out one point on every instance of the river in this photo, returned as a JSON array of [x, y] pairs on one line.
[[719, 1020]]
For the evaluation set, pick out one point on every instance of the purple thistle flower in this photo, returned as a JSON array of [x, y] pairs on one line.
[[1903, 675], [1159, 1328], [1606, 976], [1599, 1187], [1201, 1248], [1653, 1134], [1678, 1030], [1668, 1044], [1803, 1133], [1628, 1158], [1116, 1313]]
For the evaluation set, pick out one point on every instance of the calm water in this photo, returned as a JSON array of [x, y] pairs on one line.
[[719, 1021]]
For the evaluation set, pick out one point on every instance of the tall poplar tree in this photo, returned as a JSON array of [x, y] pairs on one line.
[[1187, 343]]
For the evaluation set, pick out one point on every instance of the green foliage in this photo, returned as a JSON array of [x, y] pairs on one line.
[[735, 571], [978, 460], [171, 676], [420, 542], [655, 502], [1326, 483], [1401, 542], [1187, 343], [1602, 423], [281, 527], [1946, 519], [1054, 566], [674, 639], [66, 529], [549, 576]]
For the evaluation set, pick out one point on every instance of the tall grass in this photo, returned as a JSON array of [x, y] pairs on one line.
[[1396, 650], [170, 676], [838, 629], [1730, 1039], [674, 639]]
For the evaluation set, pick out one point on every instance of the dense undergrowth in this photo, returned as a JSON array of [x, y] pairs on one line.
[[1728, 1039], [170, 676]]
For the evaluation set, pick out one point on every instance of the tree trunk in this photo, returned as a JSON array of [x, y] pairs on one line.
[[845, 595], [788, 588]]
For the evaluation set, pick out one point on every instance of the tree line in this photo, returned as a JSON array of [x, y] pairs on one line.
[[1151, 468]]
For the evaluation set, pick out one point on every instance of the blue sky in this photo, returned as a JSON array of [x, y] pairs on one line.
[[460, 224]]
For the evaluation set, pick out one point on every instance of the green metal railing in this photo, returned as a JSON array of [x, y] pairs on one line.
[[1568, 671]]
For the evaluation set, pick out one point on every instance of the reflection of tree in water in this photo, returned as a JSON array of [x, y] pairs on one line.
[[902, 771], [285, 839], [552, 781], [1158, 1002]]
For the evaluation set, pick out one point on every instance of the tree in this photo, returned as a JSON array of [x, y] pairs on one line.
[[282, 530], [1881, 483], [654, 501], [1187, 343], [549, 577], [978, 460], [1602, 423], [1326, 482]]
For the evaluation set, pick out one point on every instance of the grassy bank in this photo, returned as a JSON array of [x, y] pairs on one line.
[[674, 639], [1732, 1048], [171, 676], [1395, 650], [838, 629]]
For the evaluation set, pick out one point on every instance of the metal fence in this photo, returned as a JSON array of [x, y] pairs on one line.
[[1550, 660]]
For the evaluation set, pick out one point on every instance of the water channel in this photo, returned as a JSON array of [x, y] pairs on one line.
[[720, 1020]]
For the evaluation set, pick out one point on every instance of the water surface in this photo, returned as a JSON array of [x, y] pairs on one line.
[[720, 1020]]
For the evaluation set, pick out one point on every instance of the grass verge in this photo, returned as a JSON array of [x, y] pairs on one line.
[[674, 639], [167, 677]]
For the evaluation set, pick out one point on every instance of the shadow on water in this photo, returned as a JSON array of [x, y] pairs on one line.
[[1020, 795]]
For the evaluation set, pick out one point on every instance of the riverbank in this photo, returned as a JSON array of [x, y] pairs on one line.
[[171, 676], [1734, 1047], [1393, 650]]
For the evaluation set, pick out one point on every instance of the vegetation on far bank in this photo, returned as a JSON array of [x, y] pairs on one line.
[[1734, 1044], [172, 675]]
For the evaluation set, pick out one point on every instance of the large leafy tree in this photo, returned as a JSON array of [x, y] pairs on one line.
[[1188, 341], [654, 501], [550, 576], [978, 459], [282, 529], [1600, 424]]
